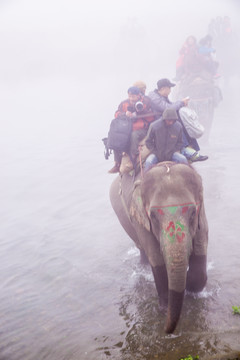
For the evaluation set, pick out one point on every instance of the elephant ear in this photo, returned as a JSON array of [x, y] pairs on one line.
[[137, 210], [201, 236]]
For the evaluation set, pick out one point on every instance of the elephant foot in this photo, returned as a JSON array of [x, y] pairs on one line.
[[163, 302], [197, 274], [196, 283]]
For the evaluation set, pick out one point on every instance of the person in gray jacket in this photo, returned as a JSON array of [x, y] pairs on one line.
[[165, 140], [160, 102]]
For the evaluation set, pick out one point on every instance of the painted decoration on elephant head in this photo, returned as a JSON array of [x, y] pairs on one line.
[[175, 231], [172, 209]]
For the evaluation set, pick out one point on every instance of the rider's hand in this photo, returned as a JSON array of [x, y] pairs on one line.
[[185, 100], [130, 114]]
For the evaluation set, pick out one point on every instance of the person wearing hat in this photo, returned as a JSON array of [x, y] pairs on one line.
[[136, 107], [141, 85], [160, 102], [165, 140]]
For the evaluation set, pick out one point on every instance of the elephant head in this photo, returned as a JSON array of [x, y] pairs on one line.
[[169, 204]]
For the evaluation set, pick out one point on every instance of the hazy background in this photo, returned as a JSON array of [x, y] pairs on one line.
[[64, 61]]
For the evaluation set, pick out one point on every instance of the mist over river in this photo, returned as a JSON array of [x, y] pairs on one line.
[[71, 283]]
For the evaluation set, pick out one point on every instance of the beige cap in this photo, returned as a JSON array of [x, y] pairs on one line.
[[141, 85]]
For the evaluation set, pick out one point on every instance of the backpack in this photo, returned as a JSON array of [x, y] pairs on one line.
[[190, 121], [119, 134]]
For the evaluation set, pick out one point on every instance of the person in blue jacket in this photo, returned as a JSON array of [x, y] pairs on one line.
[[206, 52]]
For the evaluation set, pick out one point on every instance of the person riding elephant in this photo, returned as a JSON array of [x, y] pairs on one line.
[[138, 110], [188, 62], [163, 212], [160, 102], [165, 141]]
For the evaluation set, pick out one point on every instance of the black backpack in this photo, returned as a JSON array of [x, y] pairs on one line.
[[119, 134]]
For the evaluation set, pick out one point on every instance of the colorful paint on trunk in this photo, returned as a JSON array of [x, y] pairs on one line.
[[175, 231]]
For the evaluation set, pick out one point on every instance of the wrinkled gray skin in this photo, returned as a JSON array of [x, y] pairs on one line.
[[146, 208]]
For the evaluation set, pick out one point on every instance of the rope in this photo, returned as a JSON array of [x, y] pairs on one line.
[[140, 160]]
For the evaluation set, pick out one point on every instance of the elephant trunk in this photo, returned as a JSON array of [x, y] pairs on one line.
[[175, 301], [176, 256], [177, 274]]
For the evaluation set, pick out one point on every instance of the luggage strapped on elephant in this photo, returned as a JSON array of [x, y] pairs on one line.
[[191, 123], [119, 136], [120, 133]]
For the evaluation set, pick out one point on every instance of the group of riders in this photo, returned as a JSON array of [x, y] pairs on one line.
[[156, 119], [195, 57]]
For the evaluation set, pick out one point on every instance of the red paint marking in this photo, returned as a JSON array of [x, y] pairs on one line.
[[160, 211], [180, 238], [176, 205], [184, 209], [171, 225]]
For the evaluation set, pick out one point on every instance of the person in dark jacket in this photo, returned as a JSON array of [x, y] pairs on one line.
[[138, 109], [165, 140], [160, 102]]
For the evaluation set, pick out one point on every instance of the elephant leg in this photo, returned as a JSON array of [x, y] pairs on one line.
[[161, 282], [197, 273]]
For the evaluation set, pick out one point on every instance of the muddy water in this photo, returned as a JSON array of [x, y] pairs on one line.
[[71, 283]]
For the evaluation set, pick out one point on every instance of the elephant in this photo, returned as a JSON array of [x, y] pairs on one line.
[[163, 212]]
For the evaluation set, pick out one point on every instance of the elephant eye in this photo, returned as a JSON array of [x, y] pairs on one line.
[[155, 219], [153, 215]]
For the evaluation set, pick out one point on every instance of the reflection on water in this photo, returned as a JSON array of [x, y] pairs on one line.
[[198, 331]]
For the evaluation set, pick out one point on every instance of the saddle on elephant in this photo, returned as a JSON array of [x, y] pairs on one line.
[[126, 164]]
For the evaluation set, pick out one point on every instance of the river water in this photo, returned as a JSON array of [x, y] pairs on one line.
[[72, 287]]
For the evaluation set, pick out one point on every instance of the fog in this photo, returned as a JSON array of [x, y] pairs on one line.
[[69, 59], [70, 280]]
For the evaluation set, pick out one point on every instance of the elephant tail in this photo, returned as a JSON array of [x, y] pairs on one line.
[[175, 302]]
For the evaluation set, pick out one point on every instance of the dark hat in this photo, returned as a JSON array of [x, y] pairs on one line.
[[169, 114], [134, 90], [164, 82]]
